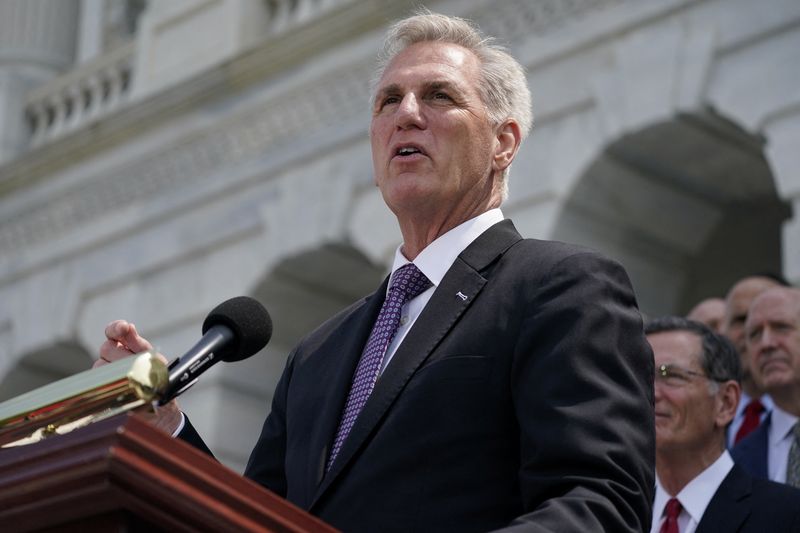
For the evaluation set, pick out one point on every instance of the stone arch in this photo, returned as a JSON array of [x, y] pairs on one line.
[[305, 289], [40, 367], [687, 204]]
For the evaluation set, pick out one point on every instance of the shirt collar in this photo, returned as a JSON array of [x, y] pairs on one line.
[[697, 494], [437, 258], [780, 425], [765, 399], [659, 503]]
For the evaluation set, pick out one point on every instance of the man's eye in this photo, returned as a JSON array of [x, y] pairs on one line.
[[389, 100], [677, 377], [441, 96]]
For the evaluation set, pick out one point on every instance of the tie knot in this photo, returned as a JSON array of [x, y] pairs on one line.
[[673, 508], [408, 281], [796, 430], [754, 407]]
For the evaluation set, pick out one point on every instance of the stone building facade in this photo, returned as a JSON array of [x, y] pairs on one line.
[[159, 157]]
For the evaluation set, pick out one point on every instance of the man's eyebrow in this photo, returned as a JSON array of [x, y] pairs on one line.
[[391, 88], [442, 84], [394, 88]]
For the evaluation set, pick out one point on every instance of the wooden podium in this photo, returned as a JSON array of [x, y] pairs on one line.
[[121, 474]]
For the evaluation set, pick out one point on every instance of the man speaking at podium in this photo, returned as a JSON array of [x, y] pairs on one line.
[[491, 381]]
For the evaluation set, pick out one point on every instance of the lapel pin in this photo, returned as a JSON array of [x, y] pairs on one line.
[[462, 296]]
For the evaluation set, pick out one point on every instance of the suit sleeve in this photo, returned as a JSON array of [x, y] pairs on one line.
[[266, 465], [583, 395], [266, 462], [190, 435]]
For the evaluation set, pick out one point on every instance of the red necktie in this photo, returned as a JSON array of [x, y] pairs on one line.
[[670, 525], [752, 418]]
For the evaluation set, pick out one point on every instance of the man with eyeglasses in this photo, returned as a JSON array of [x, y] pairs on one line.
[[698, 486]]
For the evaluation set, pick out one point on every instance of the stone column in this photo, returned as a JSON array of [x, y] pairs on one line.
[[37, 41]]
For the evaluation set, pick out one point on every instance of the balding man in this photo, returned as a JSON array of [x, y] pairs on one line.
[[754, 404], [772, 333], [710, 312]]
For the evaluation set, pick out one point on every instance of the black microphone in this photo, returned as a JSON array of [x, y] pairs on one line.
[[232, 331]]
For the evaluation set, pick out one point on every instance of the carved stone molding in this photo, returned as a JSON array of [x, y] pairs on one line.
[[515, 20], [289, 117], [267, 128]]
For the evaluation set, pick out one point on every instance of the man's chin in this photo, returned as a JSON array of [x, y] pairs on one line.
[[776, 381], [408, 195]]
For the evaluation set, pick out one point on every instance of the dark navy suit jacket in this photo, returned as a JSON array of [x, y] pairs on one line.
[[522, 397], [751, 452], [744, 504]]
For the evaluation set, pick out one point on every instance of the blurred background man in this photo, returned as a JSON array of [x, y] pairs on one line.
[[710, 312], [754, 404], [772, 331]]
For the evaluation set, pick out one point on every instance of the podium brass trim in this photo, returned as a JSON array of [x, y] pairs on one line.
[[83, 398]]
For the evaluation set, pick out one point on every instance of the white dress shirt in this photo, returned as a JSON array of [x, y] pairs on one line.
[[694, 497], [779, 442], [738, 418], [434, 261]]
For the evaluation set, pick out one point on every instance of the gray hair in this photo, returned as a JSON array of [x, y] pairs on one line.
[[503, 87], [719, 359]]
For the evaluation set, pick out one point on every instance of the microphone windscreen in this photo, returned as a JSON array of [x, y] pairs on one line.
[[249, 322]]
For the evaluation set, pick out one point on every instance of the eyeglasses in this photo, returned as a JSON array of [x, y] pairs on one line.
[[675, 376]]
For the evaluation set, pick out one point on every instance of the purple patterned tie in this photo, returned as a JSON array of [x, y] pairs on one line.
[[407, 283]]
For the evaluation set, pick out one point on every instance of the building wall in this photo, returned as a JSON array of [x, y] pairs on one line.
[[172, 171]]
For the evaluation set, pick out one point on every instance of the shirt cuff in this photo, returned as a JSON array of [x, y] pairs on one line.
[[180, 426]]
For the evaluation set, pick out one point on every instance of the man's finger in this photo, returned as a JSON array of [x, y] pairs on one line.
[[125, 334], [136, 342], [117, 330], [112, 350]]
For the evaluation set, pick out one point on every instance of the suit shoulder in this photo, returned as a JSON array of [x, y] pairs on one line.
[[556, 251], [777, 495], [776, 506], [559, 258]]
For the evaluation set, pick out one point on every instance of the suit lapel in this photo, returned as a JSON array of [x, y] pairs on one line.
[[751, 452], [731, 504], [343, 352], [454, 295]]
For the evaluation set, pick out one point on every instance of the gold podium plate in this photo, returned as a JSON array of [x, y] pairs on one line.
[[78, 400]]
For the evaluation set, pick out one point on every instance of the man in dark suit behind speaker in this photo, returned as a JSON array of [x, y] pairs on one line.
[[491, 381], [772, 334], [699, 488]]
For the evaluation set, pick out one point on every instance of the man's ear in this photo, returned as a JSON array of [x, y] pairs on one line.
[[727, 401], [508, 137]]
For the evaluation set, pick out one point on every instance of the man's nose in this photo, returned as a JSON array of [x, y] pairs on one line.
[[768, 337], [657, 385], [409, 113]]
